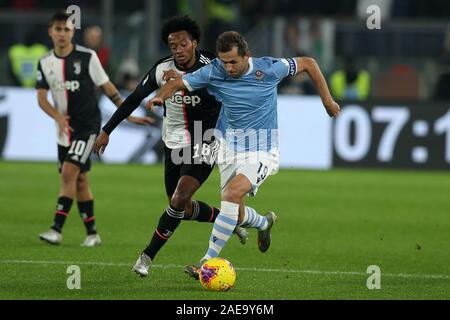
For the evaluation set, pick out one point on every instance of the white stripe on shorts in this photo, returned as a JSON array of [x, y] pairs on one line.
[[88, 149]]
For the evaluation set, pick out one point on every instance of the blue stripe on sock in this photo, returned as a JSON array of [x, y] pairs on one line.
[[227, 220], [259, 222], [223, 230], [219, 242], [212, 253], [253, 219]]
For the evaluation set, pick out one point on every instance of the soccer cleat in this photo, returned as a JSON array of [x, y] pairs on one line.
[[51, 236], [142, 264], [193, 270], [241, 233], [92, 241], [264, 237]]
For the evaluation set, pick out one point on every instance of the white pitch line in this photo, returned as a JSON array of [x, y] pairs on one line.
[[173, 266]]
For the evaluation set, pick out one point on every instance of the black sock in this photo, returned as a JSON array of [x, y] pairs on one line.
[[168, 222], [86, 209], [203, 213], [62, 211]]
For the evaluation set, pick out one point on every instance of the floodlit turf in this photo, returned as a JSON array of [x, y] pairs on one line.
[[332, 225]]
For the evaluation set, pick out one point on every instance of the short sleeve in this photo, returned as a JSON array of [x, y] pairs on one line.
[[96, 71], [198, 79], [41, 82], [285, 67]]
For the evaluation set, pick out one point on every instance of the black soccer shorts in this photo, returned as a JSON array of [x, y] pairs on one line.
[[173, 171], [78, 153]]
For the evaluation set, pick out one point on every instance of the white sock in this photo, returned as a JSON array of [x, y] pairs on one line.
[[223, 228], [253, 219]]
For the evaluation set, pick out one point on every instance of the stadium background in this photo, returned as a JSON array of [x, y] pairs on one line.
[[397, 116]]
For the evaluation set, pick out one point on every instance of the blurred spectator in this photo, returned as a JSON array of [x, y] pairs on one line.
[[291, 40], [93, 39], [442, 90], [23, 59], [298, 85], [401, 81], [127, 75], [446, 49], [153, 146], [23, 4], [219, 17], [350, 82]]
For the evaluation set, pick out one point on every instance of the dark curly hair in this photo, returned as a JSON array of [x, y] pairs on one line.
[[180, 23]]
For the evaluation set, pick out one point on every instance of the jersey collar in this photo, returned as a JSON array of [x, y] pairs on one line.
[[193, 68], [250, 68], [73, 50]]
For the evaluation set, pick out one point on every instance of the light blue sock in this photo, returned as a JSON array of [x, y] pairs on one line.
[[223, 228], [253, 219]]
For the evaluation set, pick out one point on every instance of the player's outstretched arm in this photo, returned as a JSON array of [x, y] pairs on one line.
[[45, 105], [110, 90], [166, 91], [310, 66], [123, 112]]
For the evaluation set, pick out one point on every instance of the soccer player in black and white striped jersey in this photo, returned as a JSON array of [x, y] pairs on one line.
[[181, 113], [71, 73]]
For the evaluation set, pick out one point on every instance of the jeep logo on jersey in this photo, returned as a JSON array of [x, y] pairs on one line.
[[189, 100], [67, 85]]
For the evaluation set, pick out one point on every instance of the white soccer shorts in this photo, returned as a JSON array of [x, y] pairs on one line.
[[256, 166]]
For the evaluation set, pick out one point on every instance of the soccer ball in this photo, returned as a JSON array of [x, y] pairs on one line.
[[217, 274]]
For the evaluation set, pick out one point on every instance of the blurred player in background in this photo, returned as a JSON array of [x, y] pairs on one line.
[[181, 113], [247, 88], [71, 73]]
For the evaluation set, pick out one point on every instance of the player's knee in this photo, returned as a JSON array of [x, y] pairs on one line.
[[232, 195], [180, 199]]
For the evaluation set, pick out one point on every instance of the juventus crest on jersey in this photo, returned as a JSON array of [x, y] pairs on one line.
[[184, 108], [72, 80]]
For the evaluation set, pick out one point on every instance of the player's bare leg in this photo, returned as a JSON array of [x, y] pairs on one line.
[[69, 177], [181, 199]]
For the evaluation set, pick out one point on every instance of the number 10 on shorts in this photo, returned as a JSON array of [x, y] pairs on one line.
[[77, 147]]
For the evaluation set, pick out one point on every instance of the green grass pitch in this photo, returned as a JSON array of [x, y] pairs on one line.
[[332, 225]]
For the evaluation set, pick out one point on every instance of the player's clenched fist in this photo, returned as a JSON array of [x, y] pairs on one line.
[[333, 109]]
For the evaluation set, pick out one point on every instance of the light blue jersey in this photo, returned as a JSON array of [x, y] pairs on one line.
[[248, 119]]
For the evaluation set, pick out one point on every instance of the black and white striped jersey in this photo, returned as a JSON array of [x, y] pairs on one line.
[[72, 80], [180, 110]]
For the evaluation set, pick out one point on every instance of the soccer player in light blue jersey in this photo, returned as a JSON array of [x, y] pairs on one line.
[[247, 129]]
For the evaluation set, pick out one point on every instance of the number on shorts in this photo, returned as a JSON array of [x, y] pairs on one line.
[[262, 172], [77, 147], [196, 151]]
